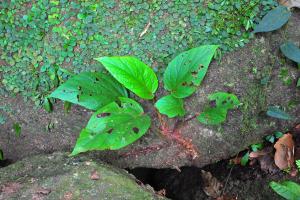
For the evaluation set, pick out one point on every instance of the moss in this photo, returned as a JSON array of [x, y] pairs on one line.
[[253, 101], [62, 175]]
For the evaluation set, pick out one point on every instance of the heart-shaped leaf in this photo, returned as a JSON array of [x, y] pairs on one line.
[[133, 74], [90, 90], [291, 51], [113, 127], [274, 20], [187, 70], [170, 106], [221, 102]]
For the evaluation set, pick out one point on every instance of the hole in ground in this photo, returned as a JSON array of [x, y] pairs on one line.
[[248, 182], [5, 162]]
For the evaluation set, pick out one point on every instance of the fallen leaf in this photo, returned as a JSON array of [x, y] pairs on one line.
[[290, 3], [212, 187], [95, 175], [284, 155]]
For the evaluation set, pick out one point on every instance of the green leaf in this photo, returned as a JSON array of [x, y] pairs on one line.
[[170, 106], [245, 159], [187, 70], [113, 127], [67, 106], [256, 147], [47, 105], [298, 164], [17, 128], [291, 51], [274, 20], [287, 189], [270, 138], [276, 112], [298, 83], [133, 74], [1, 155], [90, 90], [216, 114], [278, 134]]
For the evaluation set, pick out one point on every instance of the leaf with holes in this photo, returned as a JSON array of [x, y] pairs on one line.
[[133, 74], [113, 127], [287, 189], [274, 20], [187, 70], [170, 106], [220, 102], [291, 51], [90, 90]]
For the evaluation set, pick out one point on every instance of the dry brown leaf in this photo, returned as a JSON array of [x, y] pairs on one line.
[[212, 187], [284, 155], [290, 3], [94, 175]]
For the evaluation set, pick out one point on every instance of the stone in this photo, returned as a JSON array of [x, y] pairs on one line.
[[240, 72], [57, 176]]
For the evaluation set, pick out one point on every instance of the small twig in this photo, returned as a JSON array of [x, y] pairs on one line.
[[227, 178], [145, 30]]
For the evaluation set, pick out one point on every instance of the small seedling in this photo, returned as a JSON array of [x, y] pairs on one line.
[[119, 120]]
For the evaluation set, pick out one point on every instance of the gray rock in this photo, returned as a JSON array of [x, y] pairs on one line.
[[239, 72], [58, 176]]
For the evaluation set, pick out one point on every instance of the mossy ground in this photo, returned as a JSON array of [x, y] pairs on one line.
[[41, 39]]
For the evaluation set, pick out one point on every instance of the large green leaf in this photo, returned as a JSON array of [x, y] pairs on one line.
[[274, 20], [187, 70], [217, 112], [287, 189], [90, 90], [133, 74], [113, 127], [291, 51], [170, 106]]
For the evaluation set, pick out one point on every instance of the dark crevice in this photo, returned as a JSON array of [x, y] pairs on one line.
[[5, 162]]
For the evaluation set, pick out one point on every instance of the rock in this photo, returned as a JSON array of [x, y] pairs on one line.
[[239, 72], [58, 176]]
